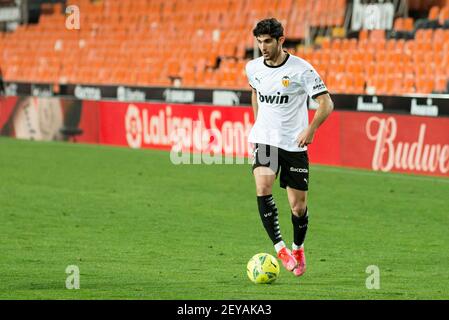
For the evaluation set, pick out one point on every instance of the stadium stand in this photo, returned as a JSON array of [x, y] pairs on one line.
[[195, 43]]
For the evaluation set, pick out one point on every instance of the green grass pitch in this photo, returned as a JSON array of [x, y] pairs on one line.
[[139, 227]]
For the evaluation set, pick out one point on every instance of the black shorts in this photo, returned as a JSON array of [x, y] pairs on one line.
[[294, 166]]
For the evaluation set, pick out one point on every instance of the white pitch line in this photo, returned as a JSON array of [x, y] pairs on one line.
[[379, 174]]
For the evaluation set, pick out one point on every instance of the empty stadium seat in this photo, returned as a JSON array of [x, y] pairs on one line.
[[204, 44], [152, 36]]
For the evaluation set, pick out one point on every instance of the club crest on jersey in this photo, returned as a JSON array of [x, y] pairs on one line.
[[286, 81]]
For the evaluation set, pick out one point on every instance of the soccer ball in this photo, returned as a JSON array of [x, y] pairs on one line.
[[262, 268]]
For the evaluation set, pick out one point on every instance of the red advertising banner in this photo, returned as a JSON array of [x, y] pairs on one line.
[[387, 142], [194, 128], [36, 118], [143, 125], [381, 142], [325, 148], [6, 109]]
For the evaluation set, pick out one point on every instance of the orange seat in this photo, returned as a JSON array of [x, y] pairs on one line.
[[441, 82], [398, 24], [114, 44], [444, 15], [433, 13], [424, 85], [408, 85], [408, 24], [359, 83]]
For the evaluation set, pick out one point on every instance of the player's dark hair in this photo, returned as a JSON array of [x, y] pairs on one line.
[[271, 27]]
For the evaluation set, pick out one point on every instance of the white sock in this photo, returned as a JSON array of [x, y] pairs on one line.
[[278, 246], [295, 247]]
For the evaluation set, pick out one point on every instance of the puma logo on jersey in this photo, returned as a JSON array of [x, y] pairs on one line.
[[277, 99]]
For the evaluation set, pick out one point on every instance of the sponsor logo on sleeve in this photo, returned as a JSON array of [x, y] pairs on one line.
[[319, 85]]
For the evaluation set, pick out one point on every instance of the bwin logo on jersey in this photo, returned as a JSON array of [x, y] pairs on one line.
[[277, 99]]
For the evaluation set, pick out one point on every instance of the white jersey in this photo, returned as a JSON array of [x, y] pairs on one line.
[[282, 94]]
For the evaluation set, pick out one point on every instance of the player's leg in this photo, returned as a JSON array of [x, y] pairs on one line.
[[300, 221], [264, 178], [294, 178], [298, 205]]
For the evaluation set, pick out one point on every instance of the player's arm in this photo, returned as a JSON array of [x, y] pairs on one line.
[[254, 103], [324, 110]]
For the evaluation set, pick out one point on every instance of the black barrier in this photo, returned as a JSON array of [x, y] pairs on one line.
[[431, 105], [422, 105]]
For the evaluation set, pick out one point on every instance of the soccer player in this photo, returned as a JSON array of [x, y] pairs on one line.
[[281, 84]]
